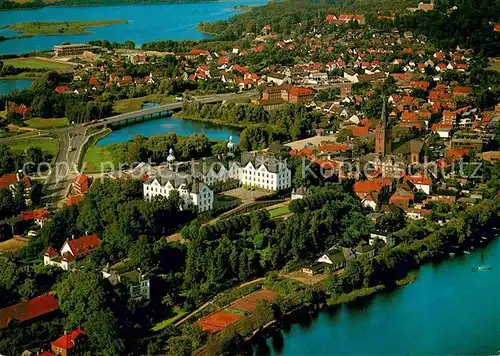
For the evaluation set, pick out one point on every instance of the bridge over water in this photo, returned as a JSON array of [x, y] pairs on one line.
[[165, 109]]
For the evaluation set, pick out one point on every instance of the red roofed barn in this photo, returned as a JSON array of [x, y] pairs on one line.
[[25, 311]]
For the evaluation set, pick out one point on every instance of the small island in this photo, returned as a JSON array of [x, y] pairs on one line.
[[61, 28]]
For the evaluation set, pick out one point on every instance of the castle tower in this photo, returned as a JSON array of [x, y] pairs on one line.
[[383, 134]]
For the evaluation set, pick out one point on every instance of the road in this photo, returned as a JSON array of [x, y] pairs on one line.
[[65, 169], [66, 166]]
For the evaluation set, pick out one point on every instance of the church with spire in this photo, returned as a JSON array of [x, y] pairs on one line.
[[383, 134]]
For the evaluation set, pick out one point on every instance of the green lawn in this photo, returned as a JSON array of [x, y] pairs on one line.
[[36, 63], [45, 144], [24, 75], [178, 313], [101, 159], [40, 124], [61, 28], [282, 210], [128, 105], [494, 64]]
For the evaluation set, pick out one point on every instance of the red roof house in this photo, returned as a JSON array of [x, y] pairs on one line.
[[28, 310], [7, 180], [38, 215], [67, 342], [363, 187], [63, 89], [81, 184], [73, 200]]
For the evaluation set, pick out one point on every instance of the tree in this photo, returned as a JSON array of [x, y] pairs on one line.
[[104, 336], [79, 294], [264, 312], [6, 160], [7, 205], [141, 254], [28, 289]]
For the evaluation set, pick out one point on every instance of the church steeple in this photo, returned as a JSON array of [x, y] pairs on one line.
[[383, 133], [383, 117]]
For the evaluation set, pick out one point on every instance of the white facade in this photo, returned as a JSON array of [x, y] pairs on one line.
[[444, 133], [424, 187], [258, 171], [199, 195], [262, 177], [389, 240]]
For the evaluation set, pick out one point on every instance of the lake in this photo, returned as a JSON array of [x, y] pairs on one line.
[[168, 124], [450, 310], [9, 85], [146, 23]]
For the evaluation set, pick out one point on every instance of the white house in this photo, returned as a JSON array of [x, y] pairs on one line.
[[370, 201], [139, 285], [72, 252], [192, 191], [351, 76], [422, 183], [278, 79], [299, 193], [333, 257], [389, 240], [265, 172]]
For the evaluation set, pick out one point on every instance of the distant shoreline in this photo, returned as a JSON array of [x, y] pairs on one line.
[[63, 3], [58, 28]]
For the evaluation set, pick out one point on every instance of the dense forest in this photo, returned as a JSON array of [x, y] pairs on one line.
[[470, 25]]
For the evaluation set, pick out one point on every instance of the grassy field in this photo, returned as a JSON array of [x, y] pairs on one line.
[[494, 64], [128, 105], [41, 124], [97, 158], [45, 144], [178, 314], [282, 210], [61, 28], [25, 75], [36, 63], [12, 245]]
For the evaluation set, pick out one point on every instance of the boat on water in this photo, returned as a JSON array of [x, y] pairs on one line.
[[483, 266], [466, 252], [451, 254]]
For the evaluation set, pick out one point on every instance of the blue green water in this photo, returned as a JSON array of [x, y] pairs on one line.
[[146, 23], [169, 124], [9, 85], [448, 311]]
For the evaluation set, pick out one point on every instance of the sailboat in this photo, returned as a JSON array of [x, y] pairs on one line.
[[482, 266]]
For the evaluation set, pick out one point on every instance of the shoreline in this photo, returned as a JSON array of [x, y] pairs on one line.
[[356, 296], [183, 116], [56, 5]]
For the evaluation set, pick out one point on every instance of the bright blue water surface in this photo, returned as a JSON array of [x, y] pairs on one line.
[[146, 23], [448, 311], [168, 124], [9, 85]]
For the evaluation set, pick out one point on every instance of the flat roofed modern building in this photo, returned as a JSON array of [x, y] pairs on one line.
[[71, 49]]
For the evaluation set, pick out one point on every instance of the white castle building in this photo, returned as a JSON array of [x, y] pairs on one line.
[[191, 190], [260, 171]]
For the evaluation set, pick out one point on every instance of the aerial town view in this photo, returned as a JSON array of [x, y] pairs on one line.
[[249, 177]]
